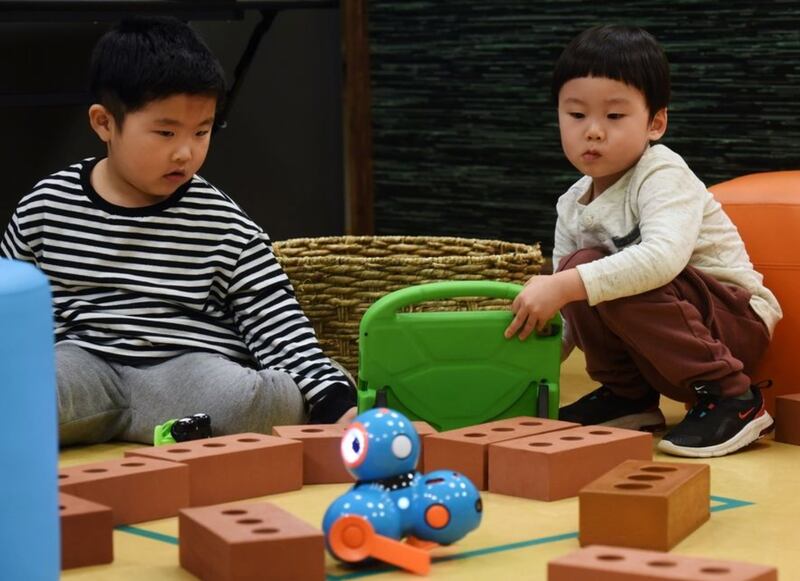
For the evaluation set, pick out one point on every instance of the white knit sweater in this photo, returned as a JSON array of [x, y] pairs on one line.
[[655, 220]]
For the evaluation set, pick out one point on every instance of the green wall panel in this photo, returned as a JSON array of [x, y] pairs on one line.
[[465, 133]]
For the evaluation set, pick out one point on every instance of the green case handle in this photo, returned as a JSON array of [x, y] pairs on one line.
[[387, 306]]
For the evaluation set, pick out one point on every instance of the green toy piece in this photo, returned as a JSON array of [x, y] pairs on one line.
[[194, 427], [162, 434], [455, 368]]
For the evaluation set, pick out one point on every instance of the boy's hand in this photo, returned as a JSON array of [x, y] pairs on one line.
[[348, 416], [542, 297]]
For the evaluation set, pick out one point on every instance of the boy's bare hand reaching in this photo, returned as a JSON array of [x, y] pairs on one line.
[[542, 297]]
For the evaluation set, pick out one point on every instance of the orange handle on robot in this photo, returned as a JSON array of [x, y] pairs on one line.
[[353, 539]]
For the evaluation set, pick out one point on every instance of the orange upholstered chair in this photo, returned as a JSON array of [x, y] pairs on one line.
[[766, 209]]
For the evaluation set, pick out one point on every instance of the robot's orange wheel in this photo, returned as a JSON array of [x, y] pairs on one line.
[[351, 538]]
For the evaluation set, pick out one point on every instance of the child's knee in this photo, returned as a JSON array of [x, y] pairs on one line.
[[582, 256], [286, 403]]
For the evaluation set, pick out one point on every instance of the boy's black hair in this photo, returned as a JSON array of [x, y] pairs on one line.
[[623, 53], [146, 59]]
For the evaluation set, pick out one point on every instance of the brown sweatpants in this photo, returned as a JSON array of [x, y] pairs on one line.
[[693, 329]]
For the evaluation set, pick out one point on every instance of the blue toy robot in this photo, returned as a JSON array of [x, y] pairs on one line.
[[391, 500]]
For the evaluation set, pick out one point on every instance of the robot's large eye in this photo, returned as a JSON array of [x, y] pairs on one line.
[[402, 446], [354, 445]]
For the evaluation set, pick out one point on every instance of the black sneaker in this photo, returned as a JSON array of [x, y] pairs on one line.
[[718, 425], [603, 407]]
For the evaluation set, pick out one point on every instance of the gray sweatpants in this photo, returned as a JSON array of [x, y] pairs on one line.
[[100, 400]]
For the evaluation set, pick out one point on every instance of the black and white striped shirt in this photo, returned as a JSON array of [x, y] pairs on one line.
[[191, 273]]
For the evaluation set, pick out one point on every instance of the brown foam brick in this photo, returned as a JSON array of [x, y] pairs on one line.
[[787, 419], [322, 460], [249, 541], [465, 450], [557, 465], [600, 563], [645, 505], [136, 489], [234, 467], [424, 429], [322, 457], [86, 532]]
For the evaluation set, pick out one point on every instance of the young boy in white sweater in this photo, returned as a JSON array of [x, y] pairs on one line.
[[650, 275]]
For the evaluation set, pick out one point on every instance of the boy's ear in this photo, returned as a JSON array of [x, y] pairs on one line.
[[658, 125], [102, 122]]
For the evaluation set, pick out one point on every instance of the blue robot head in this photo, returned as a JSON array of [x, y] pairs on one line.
[[380, 443], [448, 506]]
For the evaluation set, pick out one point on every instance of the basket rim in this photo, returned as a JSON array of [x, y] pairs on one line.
[[349, 238], [518, 251], [411, 259]]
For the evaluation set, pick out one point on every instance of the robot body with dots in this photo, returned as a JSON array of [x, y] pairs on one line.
[[391, 500]]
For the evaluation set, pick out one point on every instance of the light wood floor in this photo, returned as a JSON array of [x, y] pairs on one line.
[[755, 514]]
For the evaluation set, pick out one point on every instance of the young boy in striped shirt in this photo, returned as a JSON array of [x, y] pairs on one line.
[[167, 297]]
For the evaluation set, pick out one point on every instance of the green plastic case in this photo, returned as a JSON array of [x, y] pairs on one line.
[[455, 368]]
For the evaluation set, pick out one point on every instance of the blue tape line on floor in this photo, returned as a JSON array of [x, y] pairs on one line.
[[727, 503], [723, 503], [148, 534]]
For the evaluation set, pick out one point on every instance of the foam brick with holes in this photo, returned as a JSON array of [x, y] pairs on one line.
[[233, 467], [249, 541], [600, 563], [557, 465], [322, 461], [136, 489], [465, 449], [645, 505]]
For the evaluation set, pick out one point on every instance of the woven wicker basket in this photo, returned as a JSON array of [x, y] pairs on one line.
[[337, 278]]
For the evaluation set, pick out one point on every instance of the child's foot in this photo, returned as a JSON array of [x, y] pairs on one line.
[[603, 407], [718, 425]]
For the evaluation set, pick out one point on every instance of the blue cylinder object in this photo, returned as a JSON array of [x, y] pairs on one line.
[[29, 515]]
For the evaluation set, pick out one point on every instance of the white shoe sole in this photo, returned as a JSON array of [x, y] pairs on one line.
[[751, 432], [645, 422]]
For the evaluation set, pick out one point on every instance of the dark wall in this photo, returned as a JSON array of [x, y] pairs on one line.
[[280, 156], [465, 135]]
